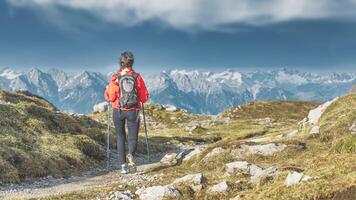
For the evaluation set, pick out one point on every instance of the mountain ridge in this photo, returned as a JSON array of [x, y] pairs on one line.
[[197, 91]]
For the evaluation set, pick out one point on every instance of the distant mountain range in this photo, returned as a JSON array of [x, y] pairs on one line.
[[195, 91]]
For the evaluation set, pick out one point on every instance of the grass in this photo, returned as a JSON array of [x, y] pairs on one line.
[[329, 158]]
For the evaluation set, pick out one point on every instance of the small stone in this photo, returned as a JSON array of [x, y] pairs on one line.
[[222, 187], [295, 178]]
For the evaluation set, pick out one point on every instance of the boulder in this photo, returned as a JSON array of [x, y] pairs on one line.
[[157, 193], [262, 149], [215, 152], [170, 108], [256, 172], [101, 107], [237, 165], [315, 130], [169, 159], [295, 178], [195, 181], [222, 187], [198, 150], [315, 114]]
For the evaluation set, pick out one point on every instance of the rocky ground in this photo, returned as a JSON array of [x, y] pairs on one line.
[[303, 151]]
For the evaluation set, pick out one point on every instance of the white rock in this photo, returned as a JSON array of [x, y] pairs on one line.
[[237, 165], [222, 187], [295, 178], [157, 193], [257, 172], [215, 152], [263, 149], [170, 108], [169, 159], [101, 107], [195, 181], [315, 114], [314, 130], [198, 150]]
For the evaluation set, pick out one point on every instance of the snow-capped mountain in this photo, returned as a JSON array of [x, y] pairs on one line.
[[196, 91]]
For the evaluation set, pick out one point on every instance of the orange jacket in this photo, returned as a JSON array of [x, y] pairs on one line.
[[112, 92]]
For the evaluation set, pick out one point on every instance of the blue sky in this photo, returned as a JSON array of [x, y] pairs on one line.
[[214, 35]]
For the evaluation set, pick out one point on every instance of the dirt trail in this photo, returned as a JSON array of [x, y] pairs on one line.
[[91, 179]]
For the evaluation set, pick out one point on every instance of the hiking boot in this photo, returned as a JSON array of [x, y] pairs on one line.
[[124, 169], [131, 163]]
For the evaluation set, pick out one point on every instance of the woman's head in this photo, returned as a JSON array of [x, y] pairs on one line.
[[126, 59]]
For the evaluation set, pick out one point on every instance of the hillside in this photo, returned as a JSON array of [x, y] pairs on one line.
[[36, 140], [245, 157], [275, 110]]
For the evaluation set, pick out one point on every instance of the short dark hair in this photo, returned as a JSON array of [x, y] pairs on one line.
[[126, 59]]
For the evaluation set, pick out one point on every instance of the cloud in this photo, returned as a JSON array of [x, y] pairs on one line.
[[201, 14]]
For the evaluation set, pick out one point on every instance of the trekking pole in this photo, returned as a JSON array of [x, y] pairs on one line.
[[146, 138], [108, 140]]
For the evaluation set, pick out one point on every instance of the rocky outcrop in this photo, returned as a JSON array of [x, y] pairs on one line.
[[262, 149], [215, 152], [315, 114], [254, 171], [198, 150], [157, 193], [195, 181]]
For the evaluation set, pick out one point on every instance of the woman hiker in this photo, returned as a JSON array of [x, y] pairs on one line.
[[126, 92]]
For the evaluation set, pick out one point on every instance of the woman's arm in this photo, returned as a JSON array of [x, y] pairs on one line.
[[141, 90]]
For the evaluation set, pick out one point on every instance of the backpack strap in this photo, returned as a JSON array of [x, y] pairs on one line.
[[135, 75]]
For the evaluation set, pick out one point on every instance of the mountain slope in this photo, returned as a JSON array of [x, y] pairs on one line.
[[36, 140]]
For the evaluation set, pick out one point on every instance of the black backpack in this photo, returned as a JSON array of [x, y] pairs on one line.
[[128, 93]]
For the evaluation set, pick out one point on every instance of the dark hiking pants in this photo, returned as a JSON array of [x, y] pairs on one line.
[[132, 118]]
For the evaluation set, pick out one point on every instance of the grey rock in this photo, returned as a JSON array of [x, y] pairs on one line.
[[169, 159], [157, 192], [215, 152], [195, 181], [198, 150], [257, 172], [263, 149], [237, 165], [222, 187], [101, 107], [170, 108]]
